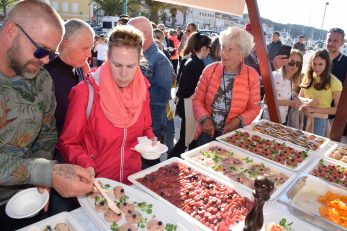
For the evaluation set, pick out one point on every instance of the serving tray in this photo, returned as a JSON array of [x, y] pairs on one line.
[[207, 199], [279, 152], [297, 137], [238, 166], [143, 204]]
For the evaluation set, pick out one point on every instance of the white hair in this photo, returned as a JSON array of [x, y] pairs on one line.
[[240, 37]]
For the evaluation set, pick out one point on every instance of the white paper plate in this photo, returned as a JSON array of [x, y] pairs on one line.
[[26, 203], [151, 152], [160, 210], [63, 217]]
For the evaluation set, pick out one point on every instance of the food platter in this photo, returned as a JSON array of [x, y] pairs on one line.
[[206, 200], [338, 154], [291, 135], [282, 153], [329, 171], [303, 200], [229, 163], [139, 210], [54, 223]]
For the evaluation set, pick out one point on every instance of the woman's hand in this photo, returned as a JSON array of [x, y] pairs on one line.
[[232, 125], [295, 103], [208, 127], [314, 103], [154, 140]]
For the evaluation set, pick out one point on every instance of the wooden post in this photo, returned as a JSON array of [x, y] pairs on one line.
[[265, 68], [340, 120]]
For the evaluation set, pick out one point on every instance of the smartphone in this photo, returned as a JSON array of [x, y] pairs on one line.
[[285, 50]]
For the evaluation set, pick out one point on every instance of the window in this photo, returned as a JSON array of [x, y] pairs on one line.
[[55, 5], [65, 6], [75, 7]]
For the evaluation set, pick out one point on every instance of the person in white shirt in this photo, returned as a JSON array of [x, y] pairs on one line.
[[283, 80], [101, 49]]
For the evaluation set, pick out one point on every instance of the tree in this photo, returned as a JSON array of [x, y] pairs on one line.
[[154, 8], [163, 17], [173, 11], [6, 3], [114, 7]]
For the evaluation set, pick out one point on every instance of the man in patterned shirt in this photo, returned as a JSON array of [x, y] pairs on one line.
[[29, 35]]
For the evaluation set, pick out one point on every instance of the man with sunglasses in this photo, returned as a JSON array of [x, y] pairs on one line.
[[30, 34], [335, 40], [190, 29]]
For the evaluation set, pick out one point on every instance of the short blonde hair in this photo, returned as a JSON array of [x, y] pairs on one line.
[[240, 37]]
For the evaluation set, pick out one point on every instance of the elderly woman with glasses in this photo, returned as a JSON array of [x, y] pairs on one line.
[[285, 80], [227, 96]]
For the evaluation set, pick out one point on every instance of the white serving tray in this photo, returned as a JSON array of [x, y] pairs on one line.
[[311, 155], [133, 178], [240, 153], [63, 217], [321, 149], [316, 163], [160, 210], [331, 150]]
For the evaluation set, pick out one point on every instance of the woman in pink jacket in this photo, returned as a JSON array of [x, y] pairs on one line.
[[227, 96], [102, 141]]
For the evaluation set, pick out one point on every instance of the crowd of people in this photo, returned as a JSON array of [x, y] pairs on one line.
[[72, 105]]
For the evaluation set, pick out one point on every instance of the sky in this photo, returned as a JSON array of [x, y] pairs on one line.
[[305, 12]]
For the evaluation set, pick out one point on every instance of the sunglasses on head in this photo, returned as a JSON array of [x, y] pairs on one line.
[[293, 62], [40, 52]]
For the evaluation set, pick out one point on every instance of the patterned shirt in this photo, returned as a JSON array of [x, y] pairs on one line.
[[27, 132], [222, 100]]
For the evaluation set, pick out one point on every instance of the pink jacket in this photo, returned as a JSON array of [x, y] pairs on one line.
[[245, 100], [95, 142]]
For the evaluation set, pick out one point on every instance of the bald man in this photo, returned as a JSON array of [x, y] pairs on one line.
[[159, 73], [29, 36], [69, 67]]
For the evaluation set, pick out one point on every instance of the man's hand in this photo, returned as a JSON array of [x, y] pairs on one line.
[[91, 170], [232, 125], [208, 127], [41, 190], [71, 180]]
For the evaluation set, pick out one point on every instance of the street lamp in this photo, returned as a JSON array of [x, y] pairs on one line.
[[321, 28], [124, 7]]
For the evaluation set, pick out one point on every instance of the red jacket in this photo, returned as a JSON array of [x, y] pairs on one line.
[[96, 142], [245, 99]]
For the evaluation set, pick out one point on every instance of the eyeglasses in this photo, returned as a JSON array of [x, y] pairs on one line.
[[40, 51], [188, 31], [293, 62], [338, 30], [209, 47]]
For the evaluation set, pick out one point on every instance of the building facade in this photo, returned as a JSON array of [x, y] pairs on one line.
[[68, 9]]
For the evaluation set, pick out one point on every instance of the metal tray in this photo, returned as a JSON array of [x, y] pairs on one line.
[[336, 145], [326, 161], [321, 149], [133, 178], [309, 158], [301, 199], [242, 155]]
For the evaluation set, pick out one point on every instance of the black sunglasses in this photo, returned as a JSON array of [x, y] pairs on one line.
[[40, 51], [293, 62]]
